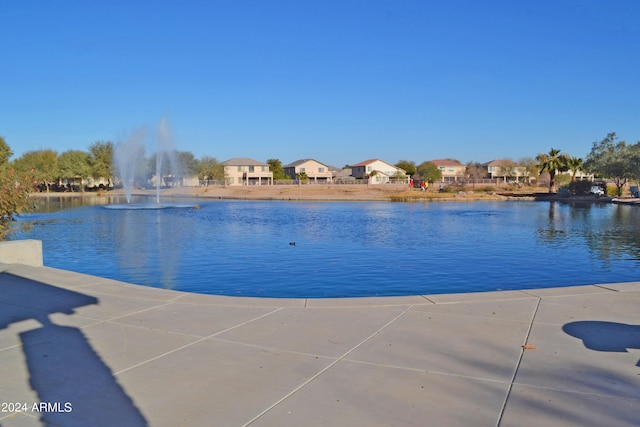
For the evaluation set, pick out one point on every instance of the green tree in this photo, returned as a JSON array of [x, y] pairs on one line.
[[101, 160], [74, 165], [429, 171], [399, 177], [507, 170], [14, 190], [615, 160], [303, 177], [275, 166], [210, 168], [475, 171], [531, 167], [552, 163], [177, 164], [409, 167], [42, 163], [171, 168], [575, 165], [5, 152], [189, 163], [634, 154]]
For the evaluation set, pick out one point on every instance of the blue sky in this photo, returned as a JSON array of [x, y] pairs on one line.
[[338, 81]]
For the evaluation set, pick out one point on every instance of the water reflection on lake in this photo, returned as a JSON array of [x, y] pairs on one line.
[[346, 249]]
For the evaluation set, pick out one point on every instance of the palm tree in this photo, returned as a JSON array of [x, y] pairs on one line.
[[303, 177], [552, 163], [575, 165]]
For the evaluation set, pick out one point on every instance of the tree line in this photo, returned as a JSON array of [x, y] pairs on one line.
[[609, 159], [50, 167]]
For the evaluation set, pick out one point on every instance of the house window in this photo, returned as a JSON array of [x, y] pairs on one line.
[[368, 168], [320, 170], [240, 168], [265, 169], [303, 170], [451, 169], [251, 169]]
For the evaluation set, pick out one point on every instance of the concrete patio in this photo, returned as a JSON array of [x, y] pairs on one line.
[[97, 352]]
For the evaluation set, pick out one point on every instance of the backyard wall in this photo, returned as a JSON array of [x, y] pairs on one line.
[[27, 252]]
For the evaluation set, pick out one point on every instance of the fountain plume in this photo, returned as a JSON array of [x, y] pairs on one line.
[[129, 160]]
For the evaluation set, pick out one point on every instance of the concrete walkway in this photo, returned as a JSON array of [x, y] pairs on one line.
[[78, 350]]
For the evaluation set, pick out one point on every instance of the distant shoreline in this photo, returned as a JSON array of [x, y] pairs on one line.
[[341, 192]]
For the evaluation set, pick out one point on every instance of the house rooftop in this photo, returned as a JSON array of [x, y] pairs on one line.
[[500, 162], [446, 162], [368, 162], [301, 161], [243, 161]]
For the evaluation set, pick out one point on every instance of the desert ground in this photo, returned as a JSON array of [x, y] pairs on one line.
[[327, 192], [353, 192], [337, 192]]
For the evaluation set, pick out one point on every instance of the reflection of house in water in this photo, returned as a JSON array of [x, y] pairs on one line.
[[76, 387]]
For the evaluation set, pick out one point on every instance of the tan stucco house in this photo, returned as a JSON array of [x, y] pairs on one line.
[[379, 172], [505, 170], [450, 169], [244, 171], [316, 171]]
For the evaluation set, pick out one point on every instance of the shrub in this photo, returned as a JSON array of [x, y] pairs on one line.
[[449, 189], [486, 189], [562, 180], [580, 187], [611, 190], [14, 197]]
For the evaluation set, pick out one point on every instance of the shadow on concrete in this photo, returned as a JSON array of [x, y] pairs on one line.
[[74, 386], [605, 336]]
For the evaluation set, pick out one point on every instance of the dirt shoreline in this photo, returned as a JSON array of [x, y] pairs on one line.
[[389, 192], [291, 192]]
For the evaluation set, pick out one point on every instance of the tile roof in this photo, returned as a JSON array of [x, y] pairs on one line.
[[500, 162], [446, 162], [368, 162], [301, 161], [243, 161]]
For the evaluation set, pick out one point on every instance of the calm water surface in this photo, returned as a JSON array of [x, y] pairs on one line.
[[345, 249]]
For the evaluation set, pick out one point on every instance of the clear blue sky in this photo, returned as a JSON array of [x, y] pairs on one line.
[[339, 81]]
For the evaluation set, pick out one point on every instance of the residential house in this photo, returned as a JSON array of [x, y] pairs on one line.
[[379, 172], [316, 171], [343, 176], [243, 171], [451, 170], [506, 170]]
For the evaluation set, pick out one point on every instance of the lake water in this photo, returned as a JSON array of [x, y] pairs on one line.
[[345, 249]]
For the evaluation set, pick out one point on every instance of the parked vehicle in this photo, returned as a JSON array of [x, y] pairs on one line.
[[597, 190]]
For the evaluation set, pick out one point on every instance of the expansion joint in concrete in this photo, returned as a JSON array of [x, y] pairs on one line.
[[515, 371]]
